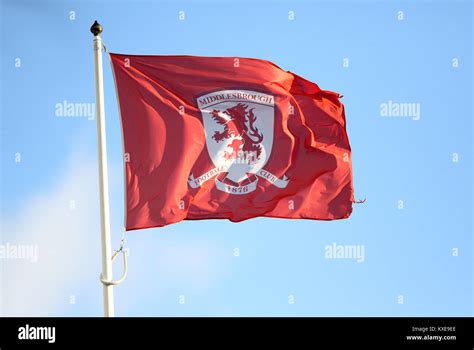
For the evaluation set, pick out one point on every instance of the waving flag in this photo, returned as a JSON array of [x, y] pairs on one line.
[[229, 138]]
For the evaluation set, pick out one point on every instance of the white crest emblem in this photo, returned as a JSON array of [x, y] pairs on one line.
[[239, 128]]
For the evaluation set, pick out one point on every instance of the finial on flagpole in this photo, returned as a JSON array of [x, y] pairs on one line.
[[96, 28]]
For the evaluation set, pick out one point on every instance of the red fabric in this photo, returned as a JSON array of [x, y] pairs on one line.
[[265, 123]]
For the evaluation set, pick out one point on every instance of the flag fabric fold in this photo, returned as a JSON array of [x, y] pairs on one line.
[[228, 138]]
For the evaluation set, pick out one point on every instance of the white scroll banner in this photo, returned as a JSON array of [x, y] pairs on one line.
[[244, 189], [280, 183], [264, 174], [195, 183]]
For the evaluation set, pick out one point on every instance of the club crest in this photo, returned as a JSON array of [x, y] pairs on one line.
[[239, 126]]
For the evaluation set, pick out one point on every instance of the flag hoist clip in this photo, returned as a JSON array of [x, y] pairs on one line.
[[125, 267]]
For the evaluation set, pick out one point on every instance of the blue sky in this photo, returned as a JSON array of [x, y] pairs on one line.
[[418, 260]]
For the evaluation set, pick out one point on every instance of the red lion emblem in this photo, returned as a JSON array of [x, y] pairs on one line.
[[239, 123]]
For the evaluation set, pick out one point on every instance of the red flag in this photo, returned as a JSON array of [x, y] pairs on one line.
[[229, 138]]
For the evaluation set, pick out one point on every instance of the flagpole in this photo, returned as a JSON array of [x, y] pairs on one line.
[[108, 294]]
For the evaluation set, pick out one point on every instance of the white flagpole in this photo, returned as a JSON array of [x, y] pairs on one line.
[[96, 29]]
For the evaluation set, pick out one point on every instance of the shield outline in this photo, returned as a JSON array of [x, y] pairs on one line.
[[264, 123]]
